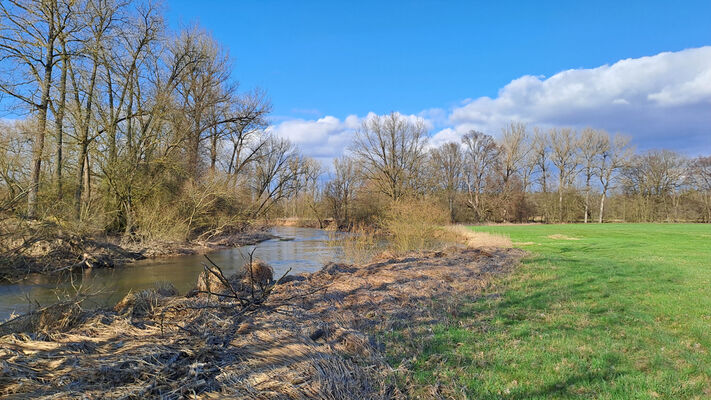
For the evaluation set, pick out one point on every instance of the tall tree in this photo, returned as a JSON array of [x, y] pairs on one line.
[[512, 149], [481, 157], [592, 146], [341, 188], [447, 165], [29, 32], [615, 155], [390, 150], [700, 173], [564, 155]]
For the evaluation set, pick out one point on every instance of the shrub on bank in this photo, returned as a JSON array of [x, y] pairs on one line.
[[414, 223]]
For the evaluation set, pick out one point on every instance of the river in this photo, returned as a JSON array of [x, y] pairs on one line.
[[301, 249]]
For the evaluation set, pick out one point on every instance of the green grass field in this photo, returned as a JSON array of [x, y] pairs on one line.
[[623, 311]]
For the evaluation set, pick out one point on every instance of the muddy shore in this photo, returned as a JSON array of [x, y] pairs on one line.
[[67, 251], [320, 335]]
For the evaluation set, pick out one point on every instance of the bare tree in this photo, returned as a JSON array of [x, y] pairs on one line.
[[656, 176], [615, 155], [592, 147], [540, 149], [700, 172], [276, 175], [29, 32], [100, 17], [390, 150], [205, 91], [447, 163], [341, 188], [481, 156], [245, 134], [564, 155], [513, 149]]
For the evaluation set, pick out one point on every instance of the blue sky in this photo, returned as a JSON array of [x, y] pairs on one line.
[[435, 59]]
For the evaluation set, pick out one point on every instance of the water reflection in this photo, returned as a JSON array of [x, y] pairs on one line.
[[301, 249]]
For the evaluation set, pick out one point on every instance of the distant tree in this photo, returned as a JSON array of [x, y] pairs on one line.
[[276, 176], [481, 157], [592, 146], [655, 177], [564, 155], [700, 174], [513, 149], [341, 189], [447, 163], [615, 155], [540, 148], [390, 150]]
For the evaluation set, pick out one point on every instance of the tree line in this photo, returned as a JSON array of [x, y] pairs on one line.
[[524, 175], [129, 128]]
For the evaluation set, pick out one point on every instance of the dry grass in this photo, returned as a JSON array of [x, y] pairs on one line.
[[48, 320], [258, 273], [479, 239], [559, 236], [360, 245], [312, 338]]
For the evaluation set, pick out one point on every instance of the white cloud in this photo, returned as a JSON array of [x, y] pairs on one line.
[[327, 137], [322, 139], [661, 101]]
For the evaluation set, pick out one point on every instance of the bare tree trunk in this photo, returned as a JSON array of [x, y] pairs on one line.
[[81, 165], [38, 144], [59, 122], [84, 139], [213, 149], [602, 206], [587, 199], [560, 201]]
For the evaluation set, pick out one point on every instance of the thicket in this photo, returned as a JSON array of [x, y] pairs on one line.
[[124, 127]]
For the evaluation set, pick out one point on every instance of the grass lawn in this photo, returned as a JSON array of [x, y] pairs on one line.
[[610, 311]]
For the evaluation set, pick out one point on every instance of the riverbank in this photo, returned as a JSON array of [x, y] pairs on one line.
[[320, 335], [56, 250], [327, 223]]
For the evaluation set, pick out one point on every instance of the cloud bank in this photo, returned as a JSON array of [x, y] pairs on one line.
[[661, 101]]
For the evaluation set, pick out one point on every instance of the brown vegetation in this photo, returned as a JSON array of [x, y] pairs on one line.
[[312, 337], [28, 247]]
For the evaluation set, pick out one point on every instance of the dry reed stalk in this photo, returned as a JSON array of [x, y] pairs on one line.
[[479, 239]]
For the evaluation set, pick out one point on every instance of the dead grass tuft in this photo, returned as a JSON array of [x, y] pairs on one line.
[[56, 318], [145, 302], [258, 272], [479, 239], [558, 236]]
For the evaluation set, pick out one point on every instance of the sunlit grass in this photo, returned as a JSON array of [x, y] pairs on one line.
[[622, 311]]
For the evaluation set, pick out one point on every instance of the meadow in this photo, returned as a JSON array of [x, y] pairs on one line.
[[613, 311]]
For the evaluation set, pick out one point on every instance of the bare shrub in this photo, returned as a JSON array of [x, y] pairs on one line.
[[413, 224]]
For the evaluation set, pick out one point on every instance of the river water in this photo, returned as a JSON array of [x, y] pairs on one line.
[[301, 249]]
